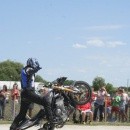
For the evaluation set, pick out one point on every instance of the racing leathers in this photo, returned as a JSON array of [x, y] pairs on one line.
[[28, 96]]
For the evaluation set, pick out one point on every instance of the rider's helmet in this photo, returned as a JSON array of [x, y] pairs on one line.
[[32, 62]]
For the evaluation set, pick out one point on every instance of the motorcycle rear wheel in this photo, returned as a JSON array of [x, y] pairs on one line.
[[47, 126], [84, 95]]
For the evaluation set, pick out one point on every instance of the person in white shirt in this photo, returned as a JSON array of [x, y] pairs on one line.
[[99, 103]]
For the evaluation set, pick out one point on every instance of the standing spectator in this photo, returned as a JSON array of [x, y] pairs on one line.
[[108, 107], [93, 98], [115, 106], [123, 105], [15, 94], [99, 103], [3, 95], [127, 100]]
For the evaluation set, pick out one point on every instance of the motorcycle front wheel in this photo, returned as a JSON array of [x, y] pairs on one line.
[[83, 95]]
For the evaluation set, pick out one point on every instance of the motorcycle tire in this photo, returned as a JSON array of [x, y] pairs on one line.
[[84, 95], [47, 126]]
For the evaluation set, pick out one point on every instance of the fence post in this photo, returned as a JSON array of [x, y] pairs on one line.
[[105, 113], [128, 112], [14, 111]]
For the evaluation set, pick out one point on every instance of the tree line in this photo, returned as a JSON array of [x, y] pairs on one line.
[[10, 71]]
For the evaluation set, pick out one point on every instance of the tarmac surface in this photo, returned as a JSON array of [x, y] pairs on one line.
[[77, 127]]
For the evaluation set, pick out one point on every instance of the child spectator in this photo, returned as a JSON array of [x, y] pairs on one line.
[[108, 107], [115, 105]]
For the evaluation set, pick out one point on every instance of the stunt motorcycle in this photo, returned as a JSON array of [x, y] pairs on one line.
[[63, 101]]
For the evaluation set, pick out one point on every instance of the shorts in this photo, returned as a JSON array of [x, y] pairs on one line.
[[86, 111], [115, 109], [109, 110]]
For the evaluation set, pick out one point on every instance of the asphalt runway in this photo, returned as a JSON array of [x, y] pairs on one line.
[[77, 127]]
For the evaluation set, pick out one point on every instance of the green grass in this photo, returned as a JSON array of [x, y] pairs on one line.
[[36, 109], [8, 114]]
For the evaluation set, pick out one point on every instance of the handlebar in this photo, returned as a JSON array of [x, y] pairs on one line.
[[58, 85], [62, 88]]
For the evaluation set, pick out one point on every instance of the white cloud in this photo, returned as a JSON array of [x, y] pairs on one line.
[[97, 42], [77, 45], [115, 43], [106, 27]]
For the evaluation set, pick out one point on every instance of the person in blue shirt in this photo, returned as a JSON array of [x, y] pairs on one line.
[[28, 94]]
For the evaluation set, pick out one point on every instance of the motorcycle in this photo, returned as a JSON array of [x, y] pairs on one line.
[[63, 101]]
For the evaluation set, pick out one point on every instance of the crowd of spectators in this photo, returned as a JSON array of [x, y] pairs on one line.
[[9, 96], [103, 107]]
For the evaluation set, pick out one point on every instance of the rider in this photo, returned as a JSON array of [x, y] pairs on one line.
[[28, 94]]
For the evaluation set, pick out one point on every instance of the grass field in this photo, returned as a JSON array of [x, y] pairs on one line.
[[8, 117]]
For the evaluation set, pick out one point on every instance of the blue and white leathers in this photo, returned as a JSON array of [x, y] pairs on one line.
[[27, 77]]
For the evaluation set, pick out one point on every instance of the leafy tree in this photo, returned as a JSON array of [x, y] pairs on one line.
[[10, 70], [98, 82], [38, 78], [68, 82], [109, 87]]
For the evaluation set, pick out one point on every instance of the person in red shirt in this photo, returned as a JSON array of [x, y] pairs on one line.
[[84, 109], [15, 94], [108, 107], [93, 98]]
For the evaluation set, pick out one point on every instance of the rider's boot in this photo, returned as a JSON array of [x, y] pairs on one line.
[[51, 119], [13, 127]]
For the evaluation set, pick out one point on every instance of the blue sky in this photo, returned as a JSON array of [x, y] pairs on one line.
[[80, 39]]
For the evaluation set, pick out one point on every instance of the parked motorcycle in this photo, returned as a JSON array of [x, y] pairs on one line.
[[63, 101]]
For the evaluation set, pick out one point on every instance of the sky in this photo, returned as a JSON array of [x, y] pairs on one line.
[[79, 39]]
